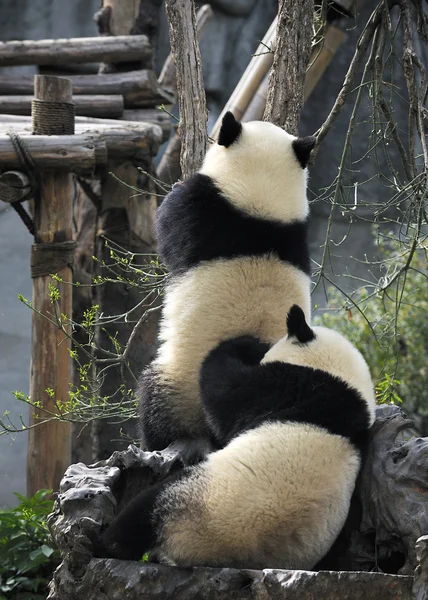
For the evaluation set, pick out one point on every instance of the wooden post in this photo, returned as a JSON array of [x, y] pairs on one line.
[[49, 444]]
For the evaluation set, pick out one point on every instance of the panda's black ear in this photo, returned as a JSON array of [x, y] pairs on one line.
[[297, 326], [230, 130], [302, 147]]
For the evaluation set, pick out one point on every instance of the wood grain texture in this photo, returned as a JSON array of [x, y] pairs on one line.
[[286, 82], [91, 106], [123, 48], [190, 86], [138, 88]]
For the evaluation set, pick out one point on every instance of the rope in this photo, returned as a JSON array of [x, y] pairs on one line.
[[52, 118], [51, 258], [15, 194]]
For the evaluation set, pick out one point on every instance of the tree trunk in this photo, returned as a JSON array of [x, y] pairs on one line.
[[287, 78], [190, 85]]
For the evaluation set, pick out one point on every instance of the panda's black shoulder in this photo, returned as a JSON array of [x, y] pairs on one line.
[[196, 222]]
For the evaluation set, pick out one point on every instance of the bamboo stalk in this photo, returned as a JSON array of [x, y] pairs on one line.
[[251, 79], [318, 62], [123, 48]]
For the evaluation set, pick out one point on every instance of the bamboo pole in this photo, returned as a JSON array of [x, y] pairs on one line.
[[123, 48], [318, 63], [49, 444], [251, 79]]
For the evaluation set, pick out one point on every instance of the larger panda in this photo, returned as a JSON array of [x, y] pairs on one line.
[[277, 495], [234, 239]]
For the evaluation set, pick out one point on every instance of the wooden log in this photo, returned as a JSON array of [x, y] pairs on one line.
[[49, 444], [122, 48], [139, 88], [80, 153], [131, 119], [91, 106], [147, 115]]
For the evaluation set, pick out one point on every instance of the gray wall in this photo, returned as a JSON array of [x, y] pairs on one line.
[[24, 19]]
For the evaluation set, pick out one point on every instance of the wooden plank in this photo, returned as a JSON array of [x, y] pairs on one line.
[[49, 444], [92, 106], [138, 88], [121, 48]]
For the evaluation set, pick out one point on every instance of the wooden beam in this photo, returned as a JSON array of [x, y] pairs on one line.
[[138, 88], [49, 444], [132, 119], [92, 106], [79, 153], [121, 48], [131, 141]]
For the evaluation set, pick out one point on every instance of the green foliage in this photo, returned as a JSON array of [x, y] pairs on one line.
[[389, 326], [27, 558]]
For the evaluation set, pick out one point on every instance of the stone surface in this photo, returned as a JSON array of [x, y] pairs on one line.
[[394, 510], [393, 487], [111, 579], [420, 584]]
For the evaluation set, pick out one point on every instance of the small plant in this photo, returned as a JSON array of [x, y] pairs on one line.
[[389, 326], [27, 558]]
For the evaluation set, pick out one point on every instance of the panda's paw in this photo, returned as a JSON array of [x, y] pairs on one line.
[[190, 451]]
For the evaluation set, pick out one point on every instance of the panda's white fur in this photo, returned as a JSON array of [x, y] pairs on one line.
[[278, 494], [261, 164], [275, 497], [230, 292]]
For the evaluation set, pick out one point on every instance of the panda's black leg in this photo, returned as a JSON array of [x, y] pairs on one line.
[[134, 530]]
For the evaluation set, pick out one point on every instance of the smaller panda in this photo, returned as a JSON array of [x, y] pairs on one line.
[[293, 421]]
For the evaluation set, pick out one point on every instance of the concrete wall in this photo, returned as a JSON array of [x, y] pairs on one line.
[[24, 19]]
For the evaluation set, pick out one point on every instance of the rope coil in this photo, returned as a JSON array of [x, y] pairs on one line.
[[52, 118]]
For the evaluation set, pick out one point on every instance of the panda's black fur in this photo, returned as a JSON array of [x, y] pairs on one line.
[[196, 223], [277, 494]]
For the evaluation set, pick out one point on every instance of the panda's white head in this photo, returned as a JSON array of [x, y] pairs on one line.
[[324, 349], [261, 169]]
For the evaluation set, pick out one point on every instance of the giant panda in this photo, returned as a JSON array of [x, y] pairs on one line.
[[234, 238], [278, 493]]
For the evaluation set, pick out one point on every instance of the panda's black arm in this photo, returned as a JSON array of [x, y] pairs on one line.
[[230, 385]]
